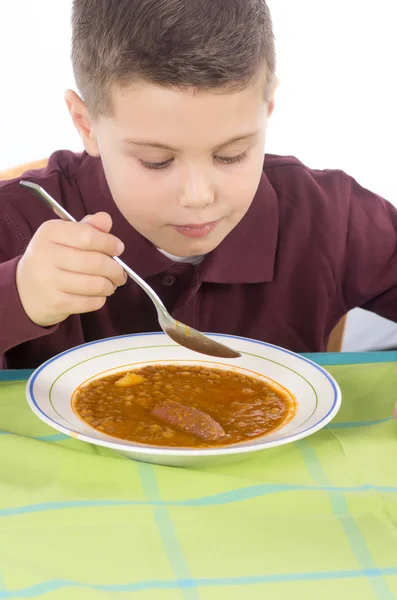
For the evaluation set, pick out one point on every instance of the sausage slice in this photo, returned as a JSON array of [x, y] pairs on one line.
[[189, 419]]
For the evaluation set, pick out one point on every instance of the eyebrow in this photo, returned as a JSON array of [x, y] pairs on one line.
[[154, 144]]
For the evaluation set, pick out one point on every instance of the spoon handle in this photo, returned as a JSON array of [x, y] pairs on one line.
[[48, 200], [142, 283]]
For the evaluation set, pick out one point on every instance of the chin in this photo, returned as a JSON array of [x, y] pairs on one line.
[[195, 247]]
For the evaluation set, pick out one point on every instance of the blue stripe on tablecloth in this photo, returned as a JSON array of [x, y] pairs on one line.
[[47, 587], [56, 437], [229, 497], [15, 375], [351, 358]]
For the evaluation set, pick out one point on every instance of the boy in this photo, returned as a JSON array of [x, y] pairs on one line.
[[176, 96]]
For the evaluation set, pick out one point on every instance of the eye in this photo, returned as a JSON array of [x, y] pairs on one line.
[[156, 166], [232, 160]]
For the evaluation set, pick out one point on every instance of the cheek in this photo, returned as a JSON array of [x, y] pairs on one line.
[[240, 189], [139, 204], [138, 195]]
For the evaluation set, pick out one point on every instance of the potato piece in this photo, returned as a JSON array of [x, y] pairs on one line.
[[189, 419], [129, 379]]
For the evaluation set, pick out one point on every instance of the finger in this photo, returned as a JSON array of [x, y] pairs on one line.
[[395, 412], [89, 263], [78, 305], [85, 285], [81, 236], [101, 221]]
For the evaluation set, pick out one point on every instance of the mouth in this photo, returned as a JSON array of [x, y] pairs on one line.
[[196, 230]]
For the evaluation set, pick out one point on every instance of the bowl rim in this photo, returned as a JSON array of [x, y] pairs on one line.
[[183, 452]]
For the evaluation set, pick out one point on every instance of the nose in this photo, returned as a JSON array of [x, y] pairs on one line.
[[196, 192]]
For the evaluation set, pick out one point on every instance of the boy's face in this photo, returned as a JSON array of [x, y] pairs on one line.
[[182, 168]]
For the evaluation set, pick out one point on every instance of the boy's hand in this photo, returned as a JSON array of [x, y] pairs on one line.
[[67, 269]]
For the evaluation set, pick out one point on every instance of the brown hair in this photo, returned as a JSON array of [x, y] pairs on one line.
[[204, 44]]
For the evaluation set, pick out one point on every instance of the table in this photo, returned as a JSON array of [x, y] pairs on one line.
[[314, 519]]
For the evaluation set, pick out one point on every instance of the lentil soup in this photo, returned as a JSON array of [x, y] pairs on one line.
[[183, 406]]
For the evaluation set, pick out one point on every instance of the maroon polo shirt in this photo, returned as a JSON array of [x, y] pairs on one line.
[[313, 245]]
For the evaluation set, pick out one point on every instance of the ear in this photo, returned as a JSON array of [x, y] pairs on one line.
[[272, 100], [82, 121]]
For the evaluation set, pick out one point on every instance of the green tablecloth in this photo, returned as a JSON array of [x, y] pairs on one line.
[[314, 519]]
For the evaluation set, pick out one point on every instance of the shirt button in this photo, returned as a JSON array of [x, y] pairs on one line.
[[169, 281]]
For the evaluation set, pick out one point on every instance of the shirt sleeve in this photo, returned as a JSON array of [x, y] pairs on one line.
[[15, 326], [369, 269]]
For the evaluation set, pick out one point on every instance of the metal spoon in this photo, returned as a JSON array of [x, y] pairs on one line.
[[180, 333]]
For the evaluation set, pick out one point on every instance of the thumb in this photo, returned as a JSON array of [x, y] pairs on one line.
[[101, 221]]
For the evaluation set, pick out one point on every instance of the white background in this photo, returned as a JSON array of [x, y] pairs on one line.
[[336, 105]]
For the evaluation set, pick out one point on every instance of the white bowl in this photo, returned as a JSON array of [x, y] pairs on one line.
[[51, 387]]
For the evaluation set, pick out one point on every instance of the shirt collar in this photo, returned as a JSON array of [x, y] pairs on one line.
[[246, 255]]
